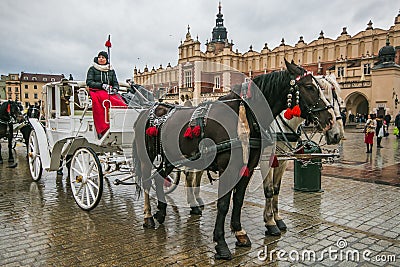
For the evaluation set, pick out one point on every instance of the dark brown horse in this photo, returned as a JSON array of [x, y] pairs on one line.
[[10, 113], [212, 141]]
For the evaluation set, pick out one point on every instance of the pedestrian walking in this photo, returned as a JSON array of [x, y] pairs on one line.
[[388, 118], [379, 130], [369, 132], [397, 124]]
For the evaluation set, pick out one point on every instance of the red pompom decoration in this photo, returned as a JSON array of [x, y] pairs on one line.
[[8, 108], [196, 130], [274, 161], [296, 111], [108, 43], [167, 182], [300, 151], [152, 131], [188, 133], [288, 114], [244, 172]]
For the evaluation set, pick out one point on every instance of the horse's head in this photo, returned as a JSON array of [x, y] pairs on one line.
[[11, 110], [331, 90], [313, 104], [33, 111]]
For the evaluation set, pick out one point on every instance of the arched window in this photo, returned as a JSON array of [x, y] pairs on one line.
[[325, 55], [349, 51], [361, 49], [337, 52], [315, 56]]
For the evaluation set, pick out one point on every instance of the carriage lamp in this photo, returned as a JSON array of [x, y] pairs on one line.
[[66, 92], [396, 101]]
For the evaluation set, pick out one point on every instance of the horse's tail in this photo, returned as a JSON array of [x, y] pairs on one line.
[[137, 169]]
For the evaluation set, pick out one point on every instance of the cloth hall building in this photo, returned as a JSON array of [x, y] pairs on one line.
[[367, 67]]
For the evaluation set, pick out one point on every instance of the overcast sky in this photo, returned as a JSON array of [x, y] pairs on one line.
[[62, 37]]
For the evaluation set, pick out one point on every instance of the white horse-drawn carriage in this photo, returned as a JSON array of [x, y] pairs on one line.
[[67, 137]]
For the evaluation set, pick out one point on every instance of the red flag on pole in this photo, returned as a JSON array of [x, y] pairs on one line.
[[108, 42]]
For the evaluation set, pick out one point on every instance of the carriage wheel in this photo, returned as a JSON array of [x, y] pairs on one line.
[[86, 178], [34, 161]]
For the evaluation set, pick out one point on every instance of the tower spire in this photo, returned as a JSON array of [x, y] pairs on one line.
[[219, 33]]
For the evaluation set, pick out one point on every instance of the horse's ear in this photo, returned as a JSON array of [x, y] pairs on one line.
[[292, 68]]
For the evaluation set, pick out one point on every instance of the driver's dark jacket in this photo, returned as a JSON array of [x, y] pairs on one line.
[[96, 78]]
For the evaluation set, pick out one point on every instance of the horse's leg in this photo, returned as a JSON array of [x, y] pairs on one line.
[[10, 148], [270, 224], [146, 183], [196, 190], [277, 186], [190, 195], [221, 248], [161, 201], [238, 197]]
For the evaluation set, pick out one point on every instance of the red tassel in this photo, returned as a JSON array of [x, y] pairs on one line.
[[188, 133], [274, 161], [296, 111], [167, 182], [8, 108], [108, 42], [300, 151], [196, 130], [288, 114], [152, 131], [244, 172]]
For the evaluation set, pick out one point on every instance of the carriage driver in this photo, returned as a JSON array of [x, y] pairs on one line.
[[103, 85]]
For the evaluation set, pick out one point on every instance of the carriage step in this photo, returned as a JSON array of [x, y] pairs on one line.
[[118, 182]]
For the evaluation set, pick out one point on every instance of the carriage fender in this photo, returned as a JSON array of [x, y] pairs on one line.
[[41, 137], [63, 147]]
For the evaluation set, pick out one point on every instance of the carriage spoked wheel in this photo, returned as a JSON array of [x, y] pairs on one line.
[[170, 182], [34, 161], [86, 178]]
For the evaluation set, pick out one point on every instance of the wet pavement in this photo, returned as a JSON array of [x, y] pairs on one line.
[[356, 214]]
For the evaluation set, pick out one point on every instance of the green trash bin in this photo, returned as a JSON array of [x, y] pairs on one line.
[[307, 177]]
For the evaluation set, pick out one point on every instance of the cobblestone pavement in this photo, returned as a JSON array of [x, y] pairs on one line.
[[356, 214]]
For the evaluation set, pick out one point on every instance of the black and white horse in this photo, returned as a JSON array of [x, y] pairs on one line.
[[10, 113]]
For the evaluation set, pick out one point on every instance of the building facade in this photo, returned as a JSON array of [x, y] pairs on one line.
[[26, 87], [370, 83]]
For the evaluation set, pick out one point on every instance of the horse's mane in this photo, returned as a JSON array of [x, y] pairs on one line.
[[326, 82], [271, 83]]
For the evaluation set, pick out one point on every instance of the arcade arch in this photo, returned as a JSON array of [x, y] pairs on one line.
[[357, 102]]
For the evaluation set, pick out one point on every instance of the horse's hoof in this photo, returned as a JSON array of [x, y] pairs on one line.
[[160, 217], [12, 165], [195, 211], [59, 172], [10, 160], [201, 203], [281, 225], [272, 230], [223, 253], [243, 241], [149, 223]]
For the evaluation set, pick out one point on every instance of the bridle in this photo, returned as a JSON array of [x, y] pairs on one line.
[[311, 111]]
